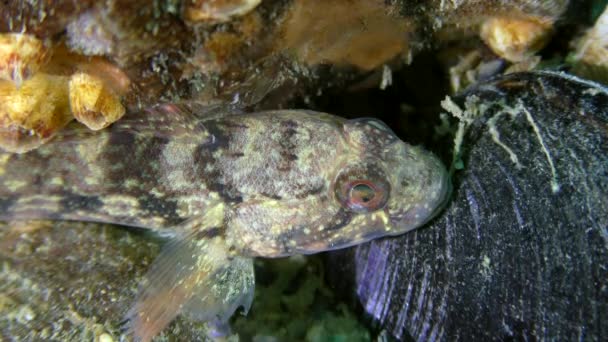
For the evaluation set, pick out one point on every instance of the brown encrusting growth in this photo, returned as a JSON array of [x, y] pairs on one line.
[[21, 56], [367, 36], [32, 113], [246, 51], [45, 87], [92, 102]]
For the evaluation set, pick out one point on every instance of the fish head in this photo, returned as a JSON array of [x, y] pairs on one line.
[[374, 185], [385, 186]]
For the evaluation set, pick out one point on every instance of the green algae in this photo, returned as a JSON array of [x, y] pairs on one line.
[[293, 303]]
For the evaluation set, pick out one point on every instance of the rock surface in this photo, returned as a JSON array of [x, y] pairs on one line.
[[521, 251], [68, 281]]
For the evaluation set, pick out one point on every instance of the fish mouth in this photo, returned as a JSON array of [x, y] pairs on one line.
[[442, 201], [446, 196]]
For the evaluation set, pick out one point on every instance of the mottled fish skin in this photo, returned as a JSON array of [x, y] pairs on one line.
[[156, 172], [304, 215], [140, 172], [229, 186], [274, 169]]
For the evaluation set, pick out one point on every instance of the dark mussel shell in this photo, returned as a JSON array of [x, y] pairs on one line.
[[521, 251]]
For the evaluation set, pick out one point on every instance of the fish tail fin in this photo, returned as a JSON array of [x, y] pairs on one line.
[[195, 275]]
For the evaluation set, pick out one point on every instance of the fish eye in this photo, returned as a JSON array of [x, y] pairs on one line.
[[361, 195], [362, 188]]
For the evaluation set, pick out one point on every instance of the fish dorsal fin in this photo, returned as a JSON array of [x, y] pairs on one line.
[[226, 290], [194, 274], [169, 120], [187, 112]]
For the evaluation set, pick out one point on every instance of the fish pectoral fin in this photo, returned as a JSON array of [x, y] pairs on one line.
[[220, 295], [194, 274]]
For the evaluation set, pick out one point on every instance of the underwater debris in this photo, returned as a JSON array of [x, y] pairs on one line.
[[217, 10]]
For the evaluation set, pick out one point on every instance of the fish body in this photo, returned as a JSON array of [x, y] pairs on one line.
[[226, 187], [159, 171]]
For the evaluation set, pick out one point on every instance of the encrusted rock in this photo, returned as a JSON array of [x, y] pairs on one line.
[[520, 252], [590, 57], [516, 39], [169, 58], [87, 35]]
